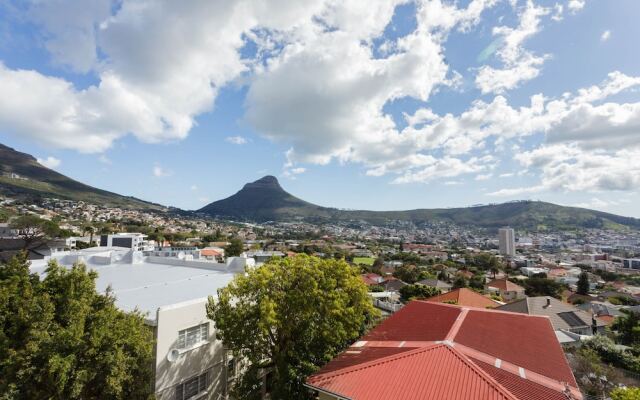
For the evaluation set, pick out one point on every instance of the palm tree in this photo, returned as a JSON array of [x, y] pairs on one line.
[[89, 229]]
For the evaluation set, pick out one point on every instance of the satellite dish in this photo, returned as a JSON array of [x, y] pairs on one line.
[[173, 355]]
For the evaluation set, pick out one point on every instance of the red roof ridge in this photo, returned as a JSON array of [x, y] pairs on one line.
[[455, 327], [517, 370], [372, 363], [463, 358]]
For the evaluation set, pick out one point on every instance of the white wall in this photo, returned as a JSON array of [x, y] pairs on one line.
[[207, 357]]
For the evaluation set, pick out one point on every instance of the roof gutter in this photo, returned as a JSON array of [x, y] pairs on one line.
[[330, 393]]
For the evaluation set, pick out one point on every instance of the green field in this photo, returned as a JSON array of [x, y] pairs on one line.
[[364, 260]]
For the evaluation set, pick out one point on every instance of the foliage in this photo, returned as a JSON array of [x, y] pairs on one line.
[[60, 339], [484, 261], [33, 230], [609, 353], [411, 292], [406, 257], [364, 260], [541, 287], [583, 283], [630, 393], [288, 317], [477, 282], [407, 273], [591, 369], [376, 288], [4, 216], [234, 248], [628, 329], [460, 282]]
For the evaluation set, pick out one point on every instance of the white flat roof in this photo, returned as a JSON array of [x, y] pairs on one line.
[[149, 286]]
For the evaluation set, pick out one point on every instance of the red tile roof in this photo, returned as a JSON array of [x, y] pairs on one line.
[[398, 377], [465, 297], [505, 284], [432, 351]]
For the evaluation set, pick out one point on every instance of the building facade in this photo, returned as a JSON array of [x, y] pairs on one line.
[[507, 242]]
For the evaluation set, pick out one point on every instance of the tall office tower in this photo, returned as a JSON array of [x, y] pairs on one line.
[[507, 239]]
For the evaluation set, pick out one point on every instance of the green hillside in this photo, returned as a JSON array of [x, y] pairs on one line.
[[22, 176], [265, 200]]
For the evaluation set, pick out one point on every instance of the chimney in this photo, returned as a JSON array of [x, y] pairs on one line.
[[548, 303]]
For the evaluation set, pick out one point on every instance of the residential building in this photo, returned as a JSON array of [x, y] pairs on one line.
[[6, 232], [134, 241], [262, 256], [507, 241], [191, 252], [433, 351], [563, 316], [466, 298], [190, 362], [630, 263], [506, 289]]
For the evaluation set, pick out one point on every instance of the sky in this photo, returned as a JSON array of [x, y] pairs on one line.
[[383, 105]]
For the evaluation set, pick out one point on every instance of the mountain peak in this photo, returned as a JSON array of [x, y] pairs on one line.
[[266, 182]]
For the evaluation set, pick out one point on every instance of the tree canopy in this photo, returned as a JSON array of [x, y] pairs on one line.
[[541, 287], [60, 339], [33, 230], [288, 317], [583, 283], [234, 248], [417, 291]]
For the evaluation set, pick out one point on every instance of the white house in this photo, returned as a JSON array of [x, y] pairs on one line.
[[190, 362], [134, 241]]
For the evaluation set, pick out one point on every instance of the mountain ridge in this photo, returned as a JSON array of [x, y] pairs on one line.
[[22, 176], [265, 200]]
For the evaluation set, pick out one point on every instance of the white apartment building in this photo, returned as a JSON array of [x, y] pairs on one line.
[[134, 241], [190, 362], [507, 241]]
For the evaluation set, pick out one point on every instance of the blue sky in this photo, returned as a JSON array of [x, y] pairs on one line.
[[397, 105]]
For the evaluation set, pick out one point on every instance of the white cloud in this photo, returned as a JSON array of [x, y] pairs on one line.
[[558, 10], [160, 172], [194, 188], [605, 36], [49, 162], [576, 5], [104, 159], [597, 203], [333, 90], [520, 65], [483, 177], [162, 63], [236, 140]]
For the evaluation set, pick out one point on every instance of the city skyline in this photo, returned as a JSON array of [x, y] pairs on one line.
[[409, 104]]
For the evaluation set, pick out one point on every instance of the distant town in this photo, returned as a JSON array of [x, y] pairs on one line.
[[165, 265]]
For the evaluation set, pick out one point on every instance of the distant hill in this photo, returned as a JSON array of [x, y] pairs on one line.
[[265, 200], [22, 176]]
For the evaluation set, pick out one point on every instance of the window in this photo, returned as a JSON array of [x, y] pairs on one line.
[[192, 387], [191, 336]]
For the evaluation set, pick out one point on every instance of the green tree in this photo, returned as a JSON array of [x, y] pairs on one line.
[[459, 282], [411, 292], [234, 248], [33, 230], [407, 273], [630, 393], [627, 328], [60, 339], [288, 317], [542, 287], [583, 283]]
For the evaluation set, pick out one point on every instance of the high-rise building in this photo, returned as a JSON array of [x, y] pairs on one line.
[[507, 241]]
